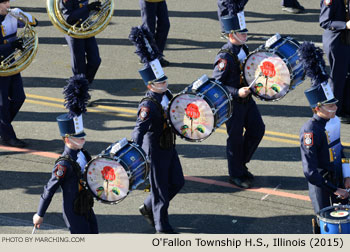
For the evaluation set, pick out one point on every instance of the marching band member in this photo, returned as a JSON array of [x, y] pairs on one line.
[[153, 133], [67, 172], [12, 94], [335, 20], [155, 16], [227, 70], [85, 57], [321, 149]]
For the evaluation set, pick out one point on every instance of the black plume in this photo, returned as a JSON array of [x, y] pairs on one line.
[[76, 95], [235, 6], [145, 44], [312, 60]]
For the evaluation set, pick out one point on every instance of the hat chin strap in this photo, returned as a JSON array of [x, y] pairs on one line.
[[236, 37], [78, 145], [159, 89], [330, 111]]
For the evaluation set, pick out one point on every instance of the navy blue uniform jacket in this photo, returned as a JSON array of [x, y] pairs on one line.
[[64, 176]]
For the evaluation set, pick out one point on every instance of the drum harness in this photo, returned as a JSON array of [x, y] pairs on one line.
[[238, 62], [167, 138], [84, 201]]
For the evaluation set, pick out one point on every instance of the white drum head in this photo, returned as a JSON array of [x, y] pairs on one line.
[[107, 179], [275, 80], [339, 213], [191, 116]]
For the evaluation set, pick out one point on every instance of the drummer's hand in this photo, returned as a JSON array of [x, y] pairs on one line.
[[37, 220], [244, 92], [347, 183], [342, 193]]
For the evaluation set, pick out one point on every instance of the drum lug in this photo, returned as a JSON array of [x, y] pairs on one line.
[[325, 226], [339, 228]]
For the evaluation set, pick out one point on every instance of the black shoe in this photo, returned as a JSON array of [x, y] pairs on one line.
[[167, 232], [91, 104], [14, 142], [248, 174], [299, 6], [241, 182], [293, 10], [147, 213], [345, 119], [164, 62]]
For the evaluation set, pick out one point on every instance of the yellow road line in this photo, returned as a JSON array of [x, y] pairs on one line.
[[46, 98], [133, 113], [89, 109], [281, 134], [117, 109]]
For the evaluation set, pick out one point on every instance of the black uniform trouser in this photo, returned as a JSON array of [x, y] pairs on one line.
[[155, 16], [11, 99], [85, 57], [166, 181], [241, 147], [339, 61]]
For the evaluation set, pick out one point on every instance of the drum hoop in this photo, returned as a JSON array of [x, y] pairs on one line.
[[333, 221]]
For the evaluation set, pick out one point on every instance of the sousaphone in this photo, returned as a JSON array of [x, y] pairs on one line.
[[94, 24], [18, 60]]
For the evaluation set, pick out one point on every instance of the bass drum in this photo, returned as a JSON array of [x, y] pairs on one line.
[[119, 169], [274, 68], [202, 107]]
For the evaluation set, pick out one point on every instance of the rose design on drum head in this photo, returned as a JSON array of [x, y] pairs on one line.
[[108, 173], [192, 111], [268, 69]]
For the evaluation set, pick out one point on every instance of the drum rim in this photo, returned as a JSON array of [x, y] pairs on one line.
[[88, 187], [333, 221]]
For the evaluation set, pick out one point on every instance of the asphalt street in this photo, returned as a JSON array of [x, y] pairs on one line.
[[208, 204]]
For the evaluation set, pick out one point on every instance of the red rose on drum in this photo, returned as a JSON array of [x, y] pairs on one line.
[[192, 111], [268, 69], [108, 173]]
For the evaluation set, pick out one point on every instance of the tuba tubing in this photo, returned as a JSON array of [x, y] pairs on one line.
[[94, 24], [19, 60]]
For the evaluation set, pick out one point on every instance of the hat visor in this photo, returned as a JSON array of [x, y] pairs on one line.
[[332, 101], [162, 79], [81, 134], [245, 30]]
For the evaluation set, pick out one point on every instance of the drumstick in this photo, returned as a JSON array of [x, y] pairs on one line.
[[34, 228], [253, 82]]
